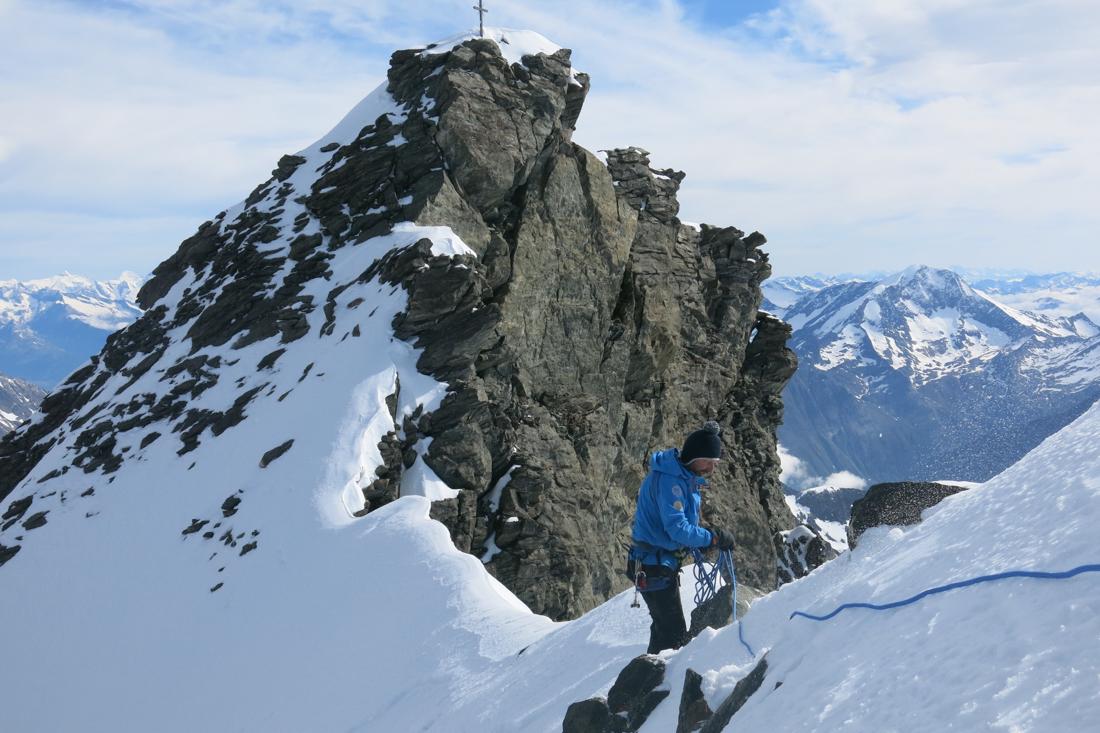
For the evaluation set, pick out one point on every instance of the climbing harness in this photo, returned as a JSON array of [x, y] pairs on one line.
[[664, 568], [706, 586], [953, 586]]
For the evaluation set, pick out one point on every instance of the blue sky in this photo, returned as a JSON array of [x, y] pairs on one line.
[[717, 15], [856, 135]]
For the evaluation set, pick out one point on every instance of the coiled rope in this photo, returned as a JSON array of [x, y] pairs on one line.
[[954, 586], [707, 585]]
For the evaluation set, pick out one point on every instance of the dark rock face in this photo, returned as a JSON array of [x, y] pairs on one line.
[[716, 613], [741, 693], [591, 328], [635, 692], [800, 551], [694, 710], [628, 704], [898, 503], [35, 521], [268, 457], [16, 510], [591, 716], [7, 553]]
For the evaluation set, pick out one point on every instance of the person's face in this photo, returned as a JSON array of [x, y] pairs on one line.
[[703, 466]]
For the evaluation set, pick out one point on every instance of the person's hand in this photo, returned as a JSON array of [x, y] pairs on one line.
[[723, 539]]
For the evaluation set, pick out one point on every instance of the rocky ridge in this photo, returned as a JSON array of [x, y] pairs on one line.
[[576, 322]]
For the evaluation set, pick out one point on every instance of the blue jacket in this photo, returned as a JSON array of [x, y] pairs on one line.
[[668, 511]]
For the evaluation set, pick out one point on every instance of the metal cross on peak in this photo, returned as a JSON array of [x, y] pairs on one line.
[[481, 11]]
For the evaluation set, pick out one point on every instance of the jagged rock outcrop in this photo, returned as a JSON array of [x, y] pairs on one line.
[[596, 328], [745, 688], [588, 328], [800, 550], [694, 710], [895, 504], [631, 699], [592, 716], [636, 691]]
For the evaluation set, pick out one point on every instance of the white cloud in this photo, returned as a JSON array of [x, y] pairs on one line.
[[845, 480], [902, 143], [793, 471], [795, 474], [855, 134]]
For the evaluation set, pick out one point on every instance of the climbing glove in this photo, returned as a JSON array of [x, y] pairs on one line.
[[723, 539]]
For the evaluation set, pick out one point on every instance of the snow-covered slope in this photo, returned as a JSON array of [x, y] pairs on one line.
[[1016, 655], [898, 378], [414, 635], [51, 326]]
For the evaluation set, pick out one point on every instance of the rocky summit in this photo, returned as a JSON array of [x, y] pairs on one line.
[[573, 323]]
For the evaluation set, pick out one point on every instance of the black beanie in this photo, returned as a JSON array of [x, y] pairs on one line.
[[703, 443]]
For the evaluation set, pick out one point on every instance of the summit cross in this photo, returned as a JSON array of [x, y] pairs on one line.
[[481, 11]]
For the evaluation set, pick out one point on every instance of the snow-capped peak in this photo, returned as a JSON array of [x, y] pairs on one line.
[[924, 283], [923, 321], [102, 304], [514, 44]]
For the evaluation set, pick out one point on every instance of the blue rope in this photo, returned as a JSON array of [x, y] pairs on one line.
[[741, 636], [706, 582], [952, 586], [706, 586]]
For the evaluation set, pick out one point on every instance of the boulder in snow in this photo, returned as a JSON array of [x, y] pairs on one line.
[[898, 503]]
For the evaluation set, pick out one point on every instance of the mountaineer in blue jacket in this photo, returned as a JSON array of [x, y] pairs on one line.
[[666, 523]]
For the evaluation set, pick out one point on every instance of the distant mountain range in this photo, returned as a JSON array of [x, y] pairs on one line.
[[1059, 294], [783, 292], [924, 376], [926, 361], [50, 327], [18, 401]]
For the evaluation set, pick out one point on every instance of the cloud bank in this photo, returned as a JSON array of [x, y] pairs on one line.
[[856, 135]]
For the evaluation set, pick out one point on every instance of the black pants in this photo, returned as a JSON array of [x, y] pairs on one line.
[[668, 629]]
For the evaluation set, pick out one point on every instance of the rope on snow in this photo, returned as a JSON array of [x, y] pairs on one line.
[[953, 586]]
